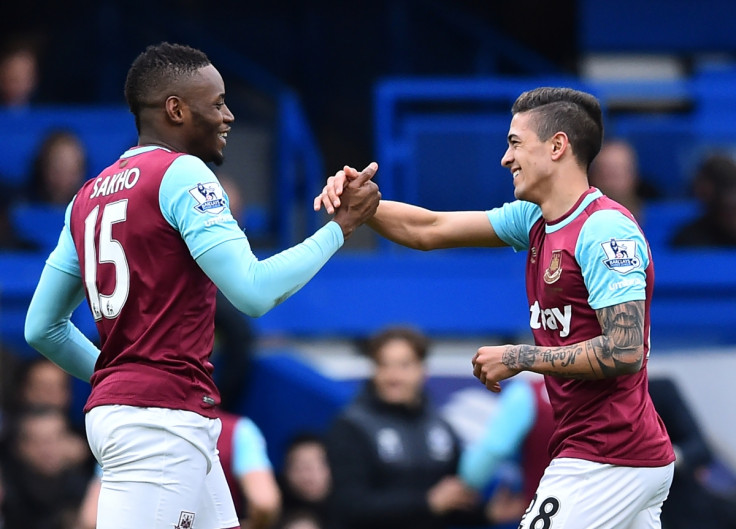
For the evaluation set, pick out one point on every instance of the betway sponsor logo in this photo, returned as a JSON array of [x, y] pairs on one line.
[[551, 319]]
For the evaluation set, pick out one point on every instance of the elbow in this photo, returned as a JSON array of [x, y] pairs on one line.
[[255, 311], [266, 511], [424, 243], [251, 307], [265, 505], [34, 335], [632, 362], [423, 246]]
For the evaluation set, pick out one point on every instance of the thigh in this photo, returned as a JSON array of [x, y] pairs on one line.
[[577, 494], [217, 510]]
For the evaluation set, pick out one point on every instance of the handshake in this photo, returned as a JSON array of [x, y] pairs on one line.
[[351, 196]]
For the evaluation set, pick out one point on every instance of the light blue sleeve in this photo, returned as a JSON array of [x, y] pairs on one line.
[[64, 257], [249, 448], [503, 435], [222, 250], [254, 286], [512, 222], [194, 203], [48, 327], [613, 256]]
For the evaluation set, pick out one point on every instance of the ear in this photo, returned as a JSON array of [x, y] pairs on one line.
[[175, 109], [560, 144]]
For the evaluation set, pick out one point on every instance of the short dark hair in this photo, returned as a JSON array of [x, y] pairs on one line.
[[718, 168], [302, 438], [416, 339], [156, 69], [577, 114]]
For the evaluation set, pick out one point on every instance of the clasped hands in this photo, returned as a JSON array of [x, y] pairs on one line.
[[351, 196], [356, 189]]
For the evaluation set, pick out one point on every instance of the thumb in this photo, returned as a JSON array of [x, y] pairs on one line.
[[365, 175]]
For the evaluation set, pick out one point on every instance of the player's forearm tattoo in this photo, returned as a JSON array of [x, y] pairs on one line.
[[620, 349], [557, 360]]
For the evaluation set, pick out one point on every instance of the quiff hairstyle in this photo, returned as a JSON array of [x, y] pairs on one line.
[[577, 114], [417, 341], [156, 70]]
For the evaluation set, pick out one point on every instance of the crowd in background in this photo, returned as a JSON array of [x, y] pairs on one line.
[[387, 459], [47, 473]]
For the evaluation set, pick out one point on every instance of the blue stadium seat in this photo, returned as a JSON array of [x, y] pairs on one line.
[[19, 273], [667, 148], [105, 131], [662, 218], [39, 223], [456, 162]]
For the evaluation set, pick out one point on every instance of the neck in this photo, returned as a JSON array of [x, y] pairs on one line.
[[559, 201], [150, 139]]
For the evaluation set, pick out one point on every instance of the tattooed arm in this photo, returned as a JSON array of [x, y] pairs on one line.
[[619, 350]]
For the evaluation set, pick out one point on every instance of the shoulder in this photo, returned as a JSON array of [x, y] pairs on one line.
[[513, 221], [517, 209], [246, 429], [612, 230], [609, 220], [188, 170]]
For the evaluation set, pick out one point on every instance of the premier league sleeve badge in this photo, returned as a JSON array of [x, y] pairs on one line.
[[621, 255]]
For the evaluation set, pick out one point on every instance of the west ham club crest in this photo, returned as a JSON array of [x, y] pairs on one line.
[[186, 520], [554, 270]]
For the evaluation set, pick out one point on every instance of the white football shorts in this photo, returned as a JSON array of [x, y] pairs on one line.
[[160, 469], [579, 494]]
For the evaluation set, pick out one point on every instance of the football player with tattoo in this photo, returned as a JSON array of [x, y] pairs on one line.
[[589, 280], [148, 242]]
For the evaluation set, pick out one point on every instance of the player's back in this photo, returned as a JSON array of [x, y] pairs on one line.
[[153, 306]]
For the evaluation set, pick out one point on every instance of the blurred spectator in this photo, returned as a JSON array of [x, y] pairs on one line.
[[10, 239], [248, 471], [234, 195], [393, 458], [691, 504], [521, 426], [234, 339], [45, 483], [250, 218], [615, 171], [18, 72], [714, 187], [39, 383], [300, 520], [87, 513], [44, 384], [232, 353], [305, 477], [59, 169]]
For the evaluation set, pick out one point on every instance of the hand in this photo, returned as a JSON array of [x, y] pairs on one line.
[[489, 368], [330, 196], [360, 198], [451, 494], [505, 506]]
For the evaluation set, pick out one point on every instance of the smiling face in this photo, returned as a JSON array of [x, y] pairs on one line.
[[399, 373], [528, 159], [207, 118]]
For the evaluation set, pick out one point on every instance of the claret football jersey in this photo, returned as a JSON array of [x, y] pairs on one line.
[[153, 305], [593, 257]]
